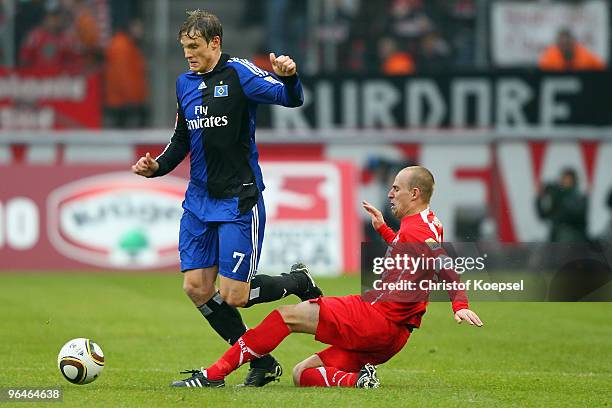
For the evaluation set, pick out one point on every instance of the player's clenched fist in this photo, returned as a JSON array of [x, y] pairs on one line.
[[283, 65], [145, 166]]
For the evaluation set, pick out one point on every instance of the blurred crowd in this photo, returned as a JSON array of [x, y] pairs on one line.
[[66, 35], [394, 37], [89, 36], [388, 37], [402, 37]]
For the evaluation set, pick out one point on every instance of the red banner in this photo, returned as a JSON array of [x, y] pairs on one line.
[[40, 99], [105, 218]]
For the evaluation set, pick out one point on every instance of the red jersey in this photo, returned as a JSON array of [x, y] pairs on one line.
[[425, 231]]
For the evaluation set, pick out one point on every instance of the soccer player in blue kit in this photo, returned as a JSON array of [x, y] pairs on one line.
[[222, 226]]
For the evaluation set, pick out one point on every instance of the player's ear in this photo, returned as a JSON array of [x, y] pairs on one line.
[[215, 42]]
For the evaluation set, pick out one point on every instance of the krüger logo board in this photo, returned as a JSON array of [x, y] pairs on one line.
[[117, 220]]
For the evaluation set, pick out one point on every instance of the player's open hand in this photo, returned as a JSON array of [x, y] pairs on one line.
[[283, 65], [145, 166], [377, 217], [469, 316]]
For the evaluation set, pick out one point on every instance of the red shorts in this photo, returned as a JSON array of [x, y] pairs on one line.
[[357, 332]]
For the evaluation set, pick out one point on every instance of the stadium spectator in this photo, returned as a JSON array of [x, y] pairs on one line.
[[361, 331], [286, 27], [569, 55], [565, 208], [394, 61], [87, 30], [125, 78], [460, 32], [408, 19], [28, 16], [433, 54], [366, 21], [51, 46]]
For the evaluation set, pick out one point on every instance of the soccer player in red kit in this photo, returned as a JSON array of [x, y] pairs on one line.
[[361, 333]]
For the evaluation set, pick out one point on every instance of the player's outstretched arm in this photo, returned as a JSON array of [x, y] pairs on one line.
[[377, 217], [145, 166], [468, 316], [280, 87]]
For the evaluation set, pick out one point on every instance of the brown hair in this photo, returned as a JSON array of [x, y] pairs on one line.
[[201, 23]]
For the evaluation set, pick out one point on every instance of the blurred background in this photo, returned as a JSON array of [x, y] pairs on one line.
[[507, 102]]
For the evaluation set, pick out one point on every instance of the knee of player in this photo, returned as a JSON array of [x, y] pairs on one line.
[[198, 290], [235, 300], [297, 373], [287, 312]]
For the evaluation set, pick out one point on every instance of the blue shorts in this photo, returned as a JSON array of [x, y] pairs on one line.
[[233, 245]]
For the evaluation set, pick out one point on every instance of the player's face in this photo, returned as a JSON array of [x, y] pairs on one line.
[[400, 197], [200, 55]]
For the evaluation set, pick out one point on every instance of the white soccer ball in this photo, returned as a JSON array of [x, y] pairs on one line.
[[81, 361]]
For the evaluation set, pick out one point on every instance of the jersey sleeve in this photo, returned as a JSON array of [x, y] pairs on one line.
[[261, 86], [177, 149], [458, 298], [386, 233]]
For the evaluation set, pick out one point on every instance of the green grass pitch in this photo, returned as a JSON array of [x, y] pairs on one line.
[[528, 354]]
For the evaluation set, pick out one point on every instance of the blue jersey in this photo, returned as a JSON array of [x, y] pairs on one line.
[[216, 115]]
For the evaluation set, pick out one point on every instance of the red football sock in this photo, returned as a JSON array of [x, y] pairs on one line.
[[327, 377], [253, 344]]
